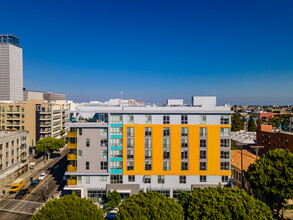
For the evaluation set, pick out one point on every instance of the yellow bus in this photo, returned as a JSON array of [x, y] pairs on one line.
[[17, 185]]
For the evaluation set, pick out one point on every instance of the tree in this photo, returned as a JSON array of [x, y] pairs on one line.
[[259, 122], [222, 203], [151, 205], [69, 207], [251, 124], [275, 121], [50, 144], [237, 123], [272, 175], [114, 199], [62, 133], [285, 122]]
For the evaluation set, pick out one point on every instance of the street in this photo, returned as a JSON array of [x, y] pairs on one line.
[[23, 208]]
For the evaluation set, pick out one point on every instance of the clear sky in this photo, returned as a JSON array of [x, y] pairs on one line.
[[240, 51]]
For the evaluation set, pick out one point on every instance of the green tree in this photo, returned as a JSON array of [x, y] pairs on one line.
[[237, 123], [222, 203], [259, 122], [251, 124], [285, 122], [275, 121], [272, 175], [151, 205], [113, 198], [49, 144], [69, 207], [62, 133]]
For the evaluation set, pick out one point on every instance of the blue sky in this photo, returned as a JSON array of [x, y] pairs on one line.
[[240, 51]]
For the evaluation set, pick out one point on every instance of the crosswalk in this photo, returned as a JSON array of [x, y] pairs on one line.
[[19, 206]]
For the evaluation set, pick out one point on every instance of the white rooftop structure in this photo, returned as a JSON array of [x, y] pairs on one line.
[[244, 137]]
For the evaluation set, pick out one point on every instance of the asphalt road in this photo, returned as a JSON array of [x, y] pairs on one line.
[[19, 209]]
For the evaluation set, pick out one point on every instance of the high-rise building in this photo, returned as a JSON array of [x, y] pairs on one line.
[[141, 148], [11, 69]]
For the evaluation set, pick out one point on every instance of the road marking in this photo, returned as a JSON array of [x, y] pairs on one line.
[[26, 213], [22, 201], [37, 198], [37, 187]]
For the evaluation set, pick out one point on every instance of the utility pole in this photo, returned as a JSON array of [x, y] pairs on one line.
[[242, 180]]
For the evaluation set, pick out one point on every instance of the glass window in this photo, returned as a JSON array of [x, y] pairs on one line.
[[148, 119], [130, 132], [88, 180], [166, 119], [103, 131], [184, 143], [148, 131], [130, 165], [166, 143], [87, 165], [79, 153], [224, 131], [224, 119], [202, 132], [161, 179], [202, 166], [130, 142], [203, 143], [166, 132], [87, 142], [184, 131], [202, 178], [116, 179], [225, 143], [104, 165], [103, 178], [104, 143], [184, 154], [130, 119], [225, 154], [148, 165], [224, 166], [166, 154], [130, 154], [184, 165], [148, 154], [80, 131], [79, 179], [182, 179], [147, 179], [184, 119], [202, 119], [166, 165], [225, 179], [104, 153], [202, 154], [131, 178], [148, 143]]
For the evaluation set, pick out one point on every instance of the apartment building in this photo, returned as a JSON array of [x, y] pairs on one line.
[[40, 118], [140, 148], [14, 149]]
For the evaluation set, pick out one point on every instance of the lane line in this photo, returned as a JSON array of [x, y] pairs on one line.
[[37, 198], [7, 210], [20, 201], [37, 186]]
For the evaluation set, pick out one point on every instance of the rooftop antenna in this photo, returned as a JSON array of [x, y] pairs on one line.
[[121, 93]]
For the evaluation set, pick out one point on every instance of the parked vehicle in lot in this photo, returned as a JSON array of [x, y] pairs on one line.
[[42, 176], [17, 185], [21, 193], [111, 213], [34, 183]]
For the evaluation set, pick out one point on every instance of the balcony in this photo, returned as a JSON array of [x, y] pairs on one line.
[[72, 134], [71, 157], [44, 112], [71, 145], [45, 124], [71, 168], [45, 131], [71, 182], [45, 118]]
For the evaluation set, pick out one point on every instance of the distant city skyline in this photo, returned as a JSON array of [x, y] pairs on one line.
[[240, 52]]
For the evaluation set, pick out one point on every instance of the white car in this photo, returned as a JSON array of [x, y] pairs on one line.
[[42, 176]]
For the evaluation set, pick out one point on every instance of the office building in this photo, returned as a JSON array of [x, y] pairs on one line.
[[148, 148], [48, 96], [11, 69]]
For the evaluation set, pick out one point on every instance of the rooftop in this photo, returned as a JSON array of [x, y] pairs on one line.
[[5, 133], [248, 158], [8, 38]]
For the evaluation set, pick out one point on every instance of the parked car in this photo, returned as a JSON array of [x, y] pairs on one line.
[[21, 193], [111, 213], [50, 170], [34, 183], [42, 176]]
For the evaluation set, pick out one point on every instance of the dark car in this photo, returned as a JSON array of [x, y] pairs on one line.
[[21, 193], [50, 170], [34, 183]]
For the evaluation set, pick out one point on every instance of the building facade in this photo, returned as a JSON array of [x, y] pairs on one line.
[[142, 148], [40, 118], [11, 69]]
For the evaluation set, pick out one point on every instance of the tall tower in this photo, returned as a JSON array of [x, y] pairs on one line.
[[11, 68]]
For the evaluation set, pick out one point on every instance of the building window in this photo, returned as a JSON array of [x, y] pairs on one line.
[[203, 143], [104, 153], [130, 119], [161, 179], [202, 166], [184, 154], [130, 154], [148, 154], [224, 166], [202, 132], [148, 131], [87, 142], [147, 179], [166, 119], [130, 132], [202, 119], [87, 165], [79, 179], [80, 131], [225, 142], [184, 119], [116, 164], [87, 179], [148, 143], [202, 178], [130, 165], [224, 119], [116, 179], [182, 179], [224, 132], [166, 132], [131, 178], [225, 154], [148, 165], [184, 165], [130, 142], [225, 179], [166, 154], [103, 131], [104, 165], [148, 119], [184, 143], [184, 132], [166, 165], [166, 143], [202, 154], [104, 143], [79, 153], [103, 179]]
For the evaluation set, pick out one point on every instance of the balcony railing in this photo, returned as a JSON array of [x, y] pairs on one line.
[[72, 145], [71, 182], [71, 168], [71, 157]]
